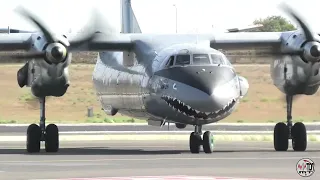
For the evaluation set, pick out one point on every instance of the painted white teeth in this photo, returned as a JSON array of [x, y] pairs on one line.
[[216, 114]]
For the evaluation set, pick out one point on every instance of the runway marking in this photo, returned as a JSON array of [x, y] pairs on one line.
[[166, 178], [175, 132], [155, 159]]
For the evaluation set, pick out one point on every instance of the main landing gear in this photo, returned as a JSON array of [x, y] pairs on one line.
[[283, 132], [37, 133], [196, 141]]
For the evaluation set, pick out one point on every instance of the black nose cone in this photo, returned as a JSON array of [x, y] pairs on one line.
[[57, 52], [204, 78]]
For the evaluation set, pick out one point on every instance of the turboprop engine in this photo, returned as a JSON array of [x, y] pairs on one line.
[[49, 57]]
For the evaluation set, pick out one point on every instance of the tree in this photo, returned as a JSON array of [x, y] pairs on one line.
[[274, 24]]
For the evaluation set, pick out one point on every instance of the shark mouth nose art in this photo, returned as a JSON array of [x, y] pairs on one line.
[[187, 110]]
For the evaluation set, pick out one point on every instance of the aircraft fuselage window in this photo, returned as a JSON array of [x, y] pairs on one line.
[[217, 59], [182, 59], [201, 59]]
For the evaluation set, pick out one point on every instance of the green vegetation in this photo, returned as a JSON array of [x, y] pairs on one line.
[[274, 24]]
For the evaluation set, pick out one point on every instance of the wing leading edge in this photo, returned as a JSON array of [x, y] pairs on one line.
[[225, 41], [244, 40]]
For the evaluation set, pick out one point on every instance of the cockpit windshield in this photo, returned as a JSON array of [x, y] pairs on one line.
[[217, 59], [182, 59], [201, 59]]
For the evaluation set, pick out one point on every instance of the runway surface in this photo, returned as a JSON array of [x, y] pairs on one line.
[[155, 158], [18, 130]]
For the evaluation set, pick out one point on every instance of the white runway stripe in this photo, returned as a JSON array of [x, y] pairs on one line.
[[166, 178]]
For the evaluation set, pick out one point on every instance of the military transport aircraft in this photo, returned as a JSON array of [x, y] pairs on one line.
[[180, 78]]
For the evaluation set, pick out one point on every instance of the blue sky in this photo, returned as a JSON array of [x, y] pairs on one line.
[[156, 16]]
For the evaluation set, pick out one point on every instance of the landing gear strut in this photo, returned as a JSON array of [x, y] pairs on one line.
[[37, 133], [283, 132], [196, 141]]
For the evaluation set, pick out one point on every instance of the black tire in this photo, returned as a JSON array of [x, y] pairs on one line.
[[33, 138], [281, 137], [195, 142], [207, 142], [299, 137], [52, 138]]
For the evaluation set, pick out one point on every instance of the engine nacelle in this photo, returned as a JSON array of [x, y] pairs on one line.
[[244, 86], [22, 75], [180, 126]]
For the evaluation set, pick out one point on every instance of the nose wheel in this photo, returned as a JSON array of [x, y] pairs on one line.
[[196, 141], [283, 132], [37, 133]]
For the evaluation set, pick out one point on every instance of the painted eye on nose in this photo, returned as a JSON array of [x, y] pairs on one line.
[[174, 86]]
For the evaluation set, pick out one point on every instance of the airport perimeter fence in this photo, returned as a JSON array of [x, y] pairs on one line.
[[236, 57]]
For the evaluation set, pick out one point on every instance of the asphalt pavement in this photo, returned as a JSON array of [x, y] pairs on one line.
[[21, 129], [152, 158]]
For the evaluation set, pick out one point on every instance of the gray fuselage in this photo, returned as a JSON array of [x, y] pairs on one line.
[[150, 89], [191, 93]]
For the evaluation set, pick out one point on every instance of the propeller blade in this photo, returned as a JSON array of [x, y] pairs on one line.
[[89, 36], [36, 21], [307, 31]]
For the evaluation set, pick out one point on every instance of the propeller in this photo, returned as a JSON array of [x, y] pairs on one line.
[[56, 49], [310, 51]]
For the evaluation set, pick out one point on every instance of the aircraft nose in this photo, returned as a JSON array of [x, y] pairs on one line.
[[212, 93], [203, 78]]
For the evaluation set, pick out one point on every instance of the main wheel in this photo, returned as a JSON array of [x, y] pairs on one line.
[[281, 137], [299, 137], [207, 142], [195, 142], [33, 138], [52, 138]]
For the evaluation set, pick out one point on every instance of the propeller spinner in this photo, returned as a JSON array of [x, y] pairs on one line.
[[56, 50], [310, 50]]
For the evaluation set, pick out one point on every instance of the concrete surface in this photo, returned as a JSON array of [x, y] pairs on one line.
[[80, 136], [152, 158], [17, 129]]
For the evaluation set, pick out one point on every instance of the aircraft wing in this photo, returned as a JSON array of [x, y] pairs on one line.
[[247, 40], [15, 41], [124, 42], [244, 29], [224, 41], [13, 30]]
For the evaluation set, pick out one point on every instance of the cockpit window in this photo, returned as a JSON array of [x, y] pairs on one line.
[[201, 59], [170, 61], [183, 59], [217, 59]]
